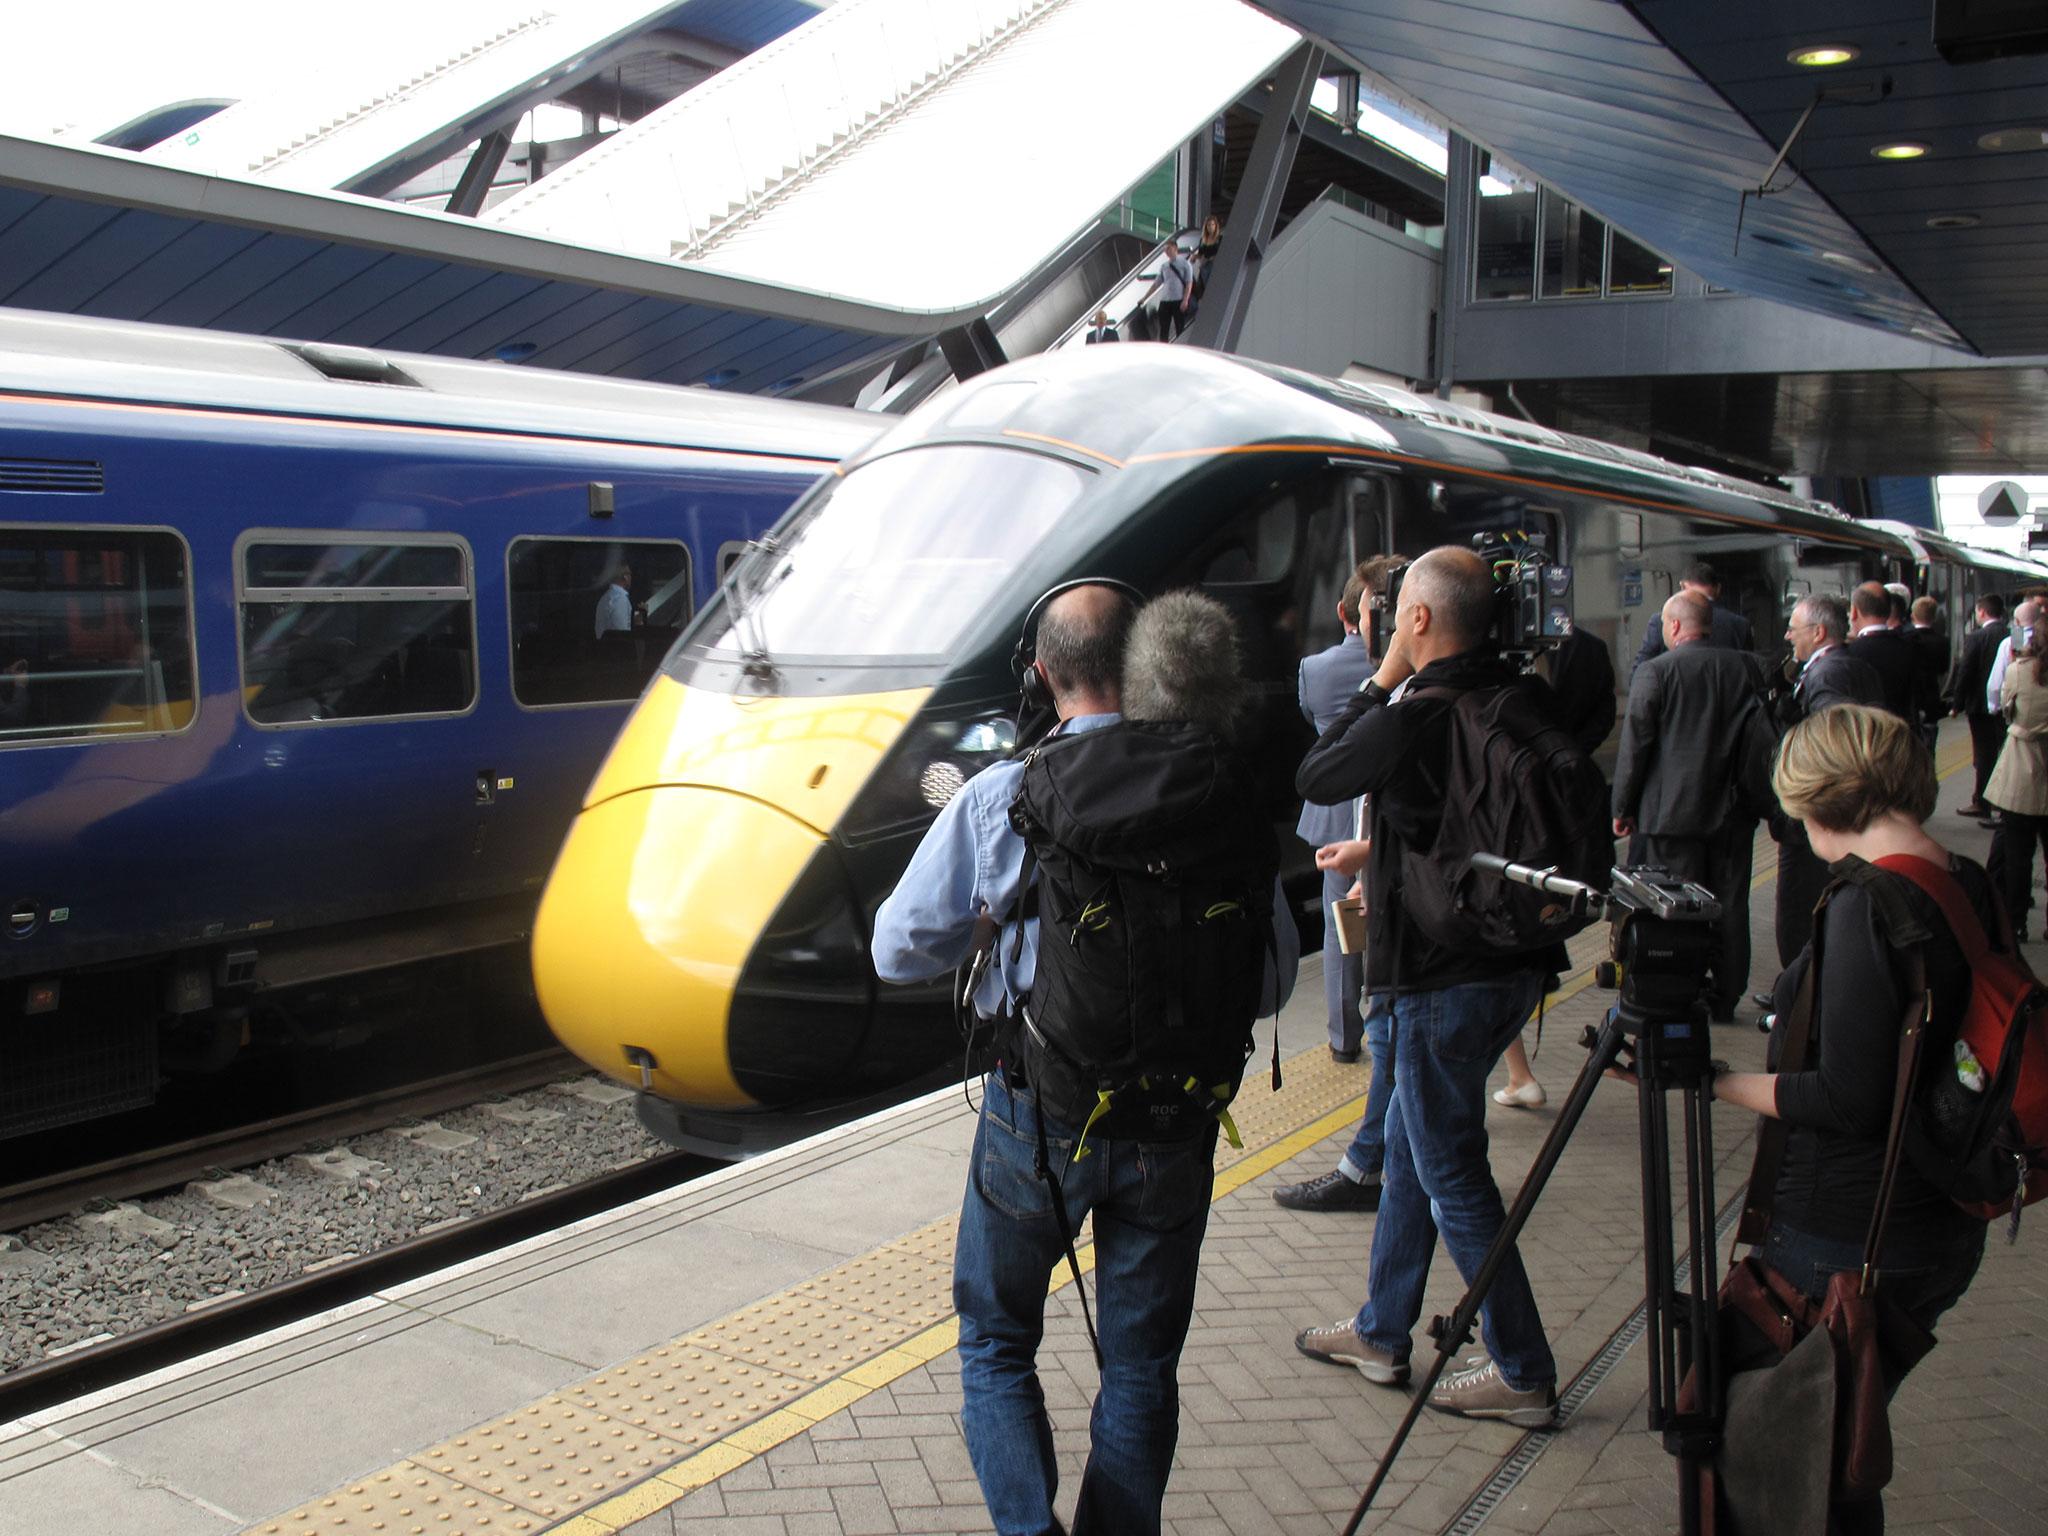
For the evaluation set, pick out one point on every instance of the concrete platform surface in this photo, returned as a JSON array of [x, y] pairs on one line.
[[772, 1350]]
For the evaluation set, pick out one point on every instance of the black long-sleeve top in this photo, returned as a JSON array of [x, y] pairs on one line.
[[1399, 754], [1840, 1109]]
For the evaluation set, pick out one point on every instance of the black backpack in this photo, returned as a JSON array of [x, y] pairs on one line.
[[1518, 786], [1154, 894]]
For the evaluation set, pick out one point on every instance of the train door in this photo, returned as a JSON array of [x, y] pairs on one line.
[[1279, 567]]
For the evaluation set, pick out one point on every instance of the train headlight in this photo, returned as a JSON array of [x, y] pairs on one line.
[[928, 768]]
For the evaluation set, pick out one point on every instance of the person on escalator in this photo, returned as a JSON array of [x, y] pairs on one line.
[[1175, 287]]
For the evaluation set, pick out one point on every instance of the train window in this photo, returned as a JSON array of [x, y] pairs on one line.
[[95, 634], [338, 627], [592, 618], [898, 558]]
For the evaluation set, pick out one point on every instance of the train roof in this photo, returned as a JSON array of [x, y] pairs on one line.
[[77, 357], [1135, 404], [1925, 542]]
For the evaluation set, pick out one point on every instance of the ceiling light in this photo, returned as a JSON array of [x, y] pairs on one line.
[[1844, 259], [2008, 141], [1903, 151], [1821, 55], [1783, 242], [1955, 221]]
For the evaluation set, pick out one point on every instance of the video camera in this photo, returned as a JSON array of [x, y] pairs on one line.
[[1532, 592]]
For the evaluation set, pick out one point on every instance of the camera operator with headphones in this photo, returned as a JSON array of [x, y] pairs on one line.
[[1144, 1169]]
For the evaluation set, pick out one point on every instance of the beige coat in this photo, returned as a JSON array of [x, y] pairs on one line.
[[2020, 781]]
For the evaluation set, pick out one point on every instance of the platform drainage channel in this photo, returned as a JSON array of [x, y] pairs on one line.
[[1523, 1458]]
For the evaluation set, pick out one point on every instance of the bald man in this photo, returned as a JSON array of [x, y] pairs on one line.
[[1690, 778], [1452, 1010]]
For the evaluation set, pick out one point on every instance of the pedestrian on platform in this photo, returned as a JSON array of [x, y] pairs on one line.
[[1862, 787], [1828, 677], [1149, 1198], [1886, 650], [1971, 696], [1453, 1011], [1930, 651], [2018, 789], [2021, 635]]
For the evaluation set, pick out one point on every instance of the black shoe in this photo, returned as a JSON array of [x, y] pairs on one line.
[[1345, 1058], [1331, 1192]]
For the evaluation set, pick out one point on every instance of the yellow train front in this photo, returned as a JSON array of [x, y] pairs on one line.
[[704, 933]]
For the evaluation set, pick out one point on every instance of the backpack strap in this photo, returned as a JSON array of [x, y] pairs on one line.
[[1947, 893]]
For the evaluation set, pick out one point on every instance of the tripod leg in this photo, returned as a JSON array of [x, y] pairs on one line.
[[1452, 1333]]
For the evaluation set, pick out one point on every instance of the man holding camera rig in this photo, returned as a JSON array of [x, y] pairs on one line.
[[1454, 1009]]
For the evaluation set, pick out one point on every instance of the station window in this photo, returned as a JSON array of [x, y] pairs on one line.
[[1634, 268], [95, 634], [1574, 248], [340, 628], [1504, 250], [592, 618]]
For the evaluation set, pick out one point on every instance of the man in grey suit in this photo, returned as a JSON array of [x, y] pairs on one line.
[[1690, 777], [1828, 675], [1325, 685]]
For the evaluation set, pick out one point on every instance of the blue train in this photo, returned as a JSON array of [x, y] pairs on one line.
[[307, 656]]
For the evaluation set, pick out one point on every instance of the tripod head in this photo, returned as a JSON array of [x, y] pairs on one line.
[[1647, 890]]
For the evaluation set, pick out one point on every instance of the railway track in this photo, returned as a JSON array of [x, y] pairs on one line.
[[52, 1195], [46, 1383]]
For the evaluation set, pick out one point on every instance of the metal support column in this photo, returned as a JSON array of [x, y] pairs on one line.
[[1454, 272], [1226, 297], [477, 176], [971, 348], [1202, 177]]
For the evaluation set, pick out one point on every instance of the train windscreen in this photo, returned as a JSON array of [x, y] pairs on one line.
[[893, 562]]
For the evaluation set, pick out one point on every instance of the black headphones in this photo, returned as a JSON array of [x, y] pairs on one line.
[[1031, 682]]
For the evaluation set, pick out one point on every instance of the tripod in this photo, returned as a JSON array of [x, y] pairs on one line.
[[1657, 1031]]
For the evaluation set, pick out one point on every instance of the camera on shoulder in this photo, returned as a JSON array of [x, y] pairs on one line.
[[1532, 594]]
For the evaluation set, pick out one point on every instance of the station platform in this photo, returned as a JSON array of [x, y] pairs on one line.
[[772, 1349]]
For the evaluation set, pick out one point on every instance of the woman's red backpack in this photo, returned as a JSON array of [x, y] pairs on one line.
[[1978, 1128]]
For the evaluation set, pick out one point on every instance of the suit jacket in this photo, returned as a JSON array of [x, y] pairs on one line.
[[1581, 674], [1693, 735], [1973, 675], [1833, 677], [1731, 632], [1325, 685], [1930, 654], [1891, 656]]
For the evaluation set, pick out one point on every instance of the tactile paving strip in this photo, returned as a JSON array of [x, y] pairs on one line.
[[792, 1357], [552, 1457], [405, 1500], [684, 1392]]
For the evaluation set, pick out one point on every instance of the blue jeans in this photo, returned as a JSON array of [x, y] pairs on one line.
[[1343, 975], [1367, 1153], [1437, 1177], [1151, 1207]]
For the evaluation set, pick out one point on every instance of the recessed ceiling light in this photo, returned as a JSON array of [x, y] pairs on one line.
[[1844, 259], [1783, 242], [1899, 151], [2009, 141], [1955, 221], [1821, 55]]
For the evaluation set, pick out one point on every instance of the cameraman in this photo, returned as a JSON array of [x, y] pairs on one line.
[[1453, 1012]]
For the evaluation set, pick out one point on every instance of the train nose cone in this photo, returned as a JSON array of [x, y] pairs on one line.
[[656, 903]]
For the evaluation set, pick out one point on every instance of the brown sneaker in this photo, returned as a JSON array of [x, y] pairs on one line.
[[1340, 1345], [1481, 1392]]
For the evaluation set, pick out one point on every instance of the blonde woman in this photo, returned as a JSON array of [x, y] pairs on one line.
[[1862, 784], [2019, 784]]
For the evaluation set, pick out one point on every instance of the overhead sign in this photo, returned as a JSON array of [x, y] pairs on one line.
[[2002, 502]]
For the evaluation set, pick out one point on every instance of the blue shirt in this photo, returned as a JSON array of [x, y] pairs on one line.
[[970, 863]]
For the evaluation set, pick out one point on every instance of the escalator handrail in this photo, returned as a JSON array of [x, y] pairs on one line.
[[1137, 274]]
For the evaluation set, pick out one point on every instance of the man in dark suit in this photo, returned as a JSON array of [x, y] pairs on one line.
[[1730, 630], [1973, 674], [1691, 776], [1325, 685], [1887, 651], [1828, 676], [1930, 650]]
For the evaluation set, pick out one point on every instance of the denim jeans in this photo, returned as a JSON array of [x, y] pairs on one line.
[[1343, 975], [1437, 1178], [1367, 1153], [1151, 1206]]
